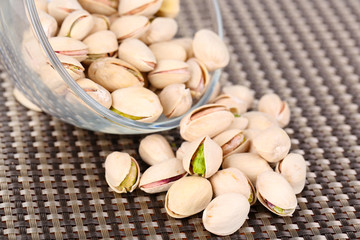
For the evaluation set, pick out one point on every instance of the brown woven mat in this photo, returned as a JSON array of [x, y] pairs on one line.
[[308, 51]]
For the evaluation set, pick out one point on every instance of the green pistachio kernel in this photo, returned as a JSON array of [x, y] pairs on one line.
[[278, 210], [251, 198], [130, 179], [126, 115], [237, 115], [198, 163]]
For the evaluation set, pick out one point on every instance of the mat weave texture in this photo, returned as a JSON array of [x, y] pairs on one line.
[[52, 182]]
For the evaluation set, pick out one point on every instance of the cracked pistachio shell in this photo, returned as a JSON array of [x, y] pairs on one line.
[[233, 104], [169, 72], [117, 168], [48, 23], [200, 78], [175, 99], [101, 44], [130, 27], [186, 43], [274, 106], [77, 25], [169, 8], [107, 7], [273, 144], [239, 122], [23, 100], [232, 141], [102, 23], [112, 74], [259, 120], [210, 49], [210, 120], [72, 66], [180, 153], [250, 164], [168, 50], [140, 7], [141, 104], [273, 188], [41, 5], [60, 9], [232, 180], [293, 169], [138, 54], [161, 29], [188, 196], [212, 154], [70, 47], [242, 93], [97, 92], [154, 149], [226, 214], [250, 135], [160, 177]]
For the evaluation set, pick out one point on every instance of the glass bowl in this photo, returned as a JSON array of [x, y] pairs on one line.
[[38, 73]]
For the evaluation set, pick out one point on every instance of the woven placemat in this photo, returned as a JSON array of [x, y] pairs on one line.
[[52, 182]]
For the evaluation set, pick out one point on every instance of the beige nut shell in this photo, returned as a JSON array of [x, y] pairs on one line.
[[101, 42], [48, 23], [154, 149], [161, 29], [259, 120], [60, 9], [226, 136], [274, 106], [77, 25], [21, 98], [140, 7], [130, 27], [234, 105], [175, 99], [200, 77], [168, 50], [242, 93], [96, 91], [96, 6], [240, 123]]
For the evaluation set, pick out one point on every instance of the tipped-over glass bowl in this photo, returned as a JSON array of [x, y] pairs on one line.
[[38, 73]]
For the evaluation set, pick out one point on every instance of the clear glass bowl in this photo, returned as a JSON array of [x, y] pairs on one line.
[[38, 73]]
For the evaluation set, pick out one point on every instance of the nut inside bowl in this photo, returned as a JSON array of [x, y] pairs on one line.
[[37, 78]]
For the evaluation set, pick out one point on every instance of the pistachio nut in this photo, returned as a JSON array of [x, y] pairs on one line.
[[274, 106], [141, 7], [137, 54], [273, 144], [104, 7], [122, 172], [70, 47], [154, 149], [275, 193], [203, 157], [21, 98], [293, 169], [175, 99], [226, 213], [169, 8], [72, 66], [160, 177], [232, 141], [250, 135], [241, 93], [169, 72], [41, 5], [180, 153], [51, 78], [161, 29], [233, 104], [112, 74], [200, 78], [259, 120], [215, 92], [250, 164], [97, 92], [168, 50], [141, 104], [187, 44], [60, 9], [48, 23], [77, 25], [188, 196], [130, 27], [210, 49], [210, 120], [239, 122], [101, 44], [102, 23]]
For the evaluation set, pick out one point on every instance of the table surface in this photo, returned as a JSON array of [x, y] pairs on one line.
[[308, 51]]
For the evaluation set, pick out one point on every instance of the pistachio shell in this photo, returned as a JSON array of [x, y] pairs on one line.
[[175, 99], [293, 169], [250, 135], [250, 164], [232, 141], [216, 91], [154, 149], [274, 191], [130, 27], [259, 120], [242, 93], [72, 66], [102, 23], [97, 92], [240, 123], [60, 9], [21, 98], [188, 196], [233, 104], [168, 50], [161, 29], [101, 44], [100, 6], [41, 5], [160, 177], [210, 120], [77, 25], [226, 213], [200, 77], [186, 43], [141, 7], [48, 23], [180, 153], [274, 106], [70, 47], [169, 8]]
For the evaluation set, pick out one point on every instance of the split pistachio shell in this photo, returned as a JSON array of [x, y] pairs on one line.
[[141, 104], [101, 44], [161, 29], [60, 9], [122, 172], [154, 149], [250, 164], [97, 92], [293, 169], [274, 106], [140, 7], [273, 144], [210, 120], [176, 100], [239, 122], [180, 153], [250, 135], [226, 213], [232, 141], [200, 77], [276, 194], [41, 5], [169, 8], [77, 25], [48, 23], [160, 177], [188, 196], [168, 50], [259, 120], [137, 54], [102, 23], [210, 49], [203, 157], [70, 47], [112, 74], [233, 104], [169, 72], [21, 98], [242, 93], [232, 180], [72, 66], [130, 27], [106, 7]]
